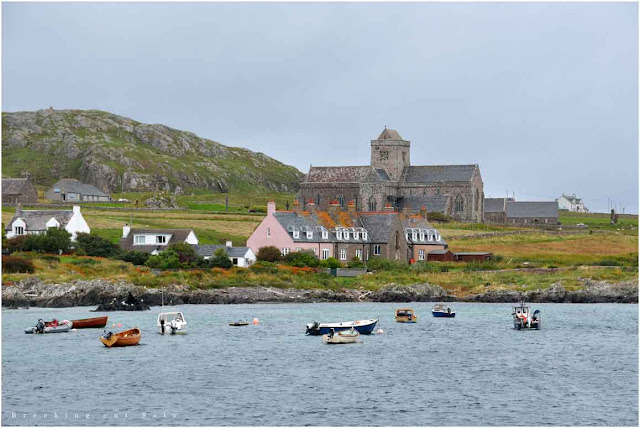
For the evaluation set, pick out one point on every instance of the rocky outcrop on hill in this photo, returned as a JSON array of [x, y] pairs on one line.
[[115, 295], [115, 153]]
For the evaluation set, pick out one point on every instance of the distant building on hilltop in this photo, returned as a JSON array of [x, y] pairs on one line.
[[509, 211], [571, 203], [72, 190], [18, 191], [454, 190]]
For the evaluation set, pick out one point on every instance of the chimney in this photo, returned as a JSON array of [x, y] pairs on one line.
[[125, 230], [271, 207], [76, 209], [296, 206], [229, 244], [311, 207], [423, 212], [19, 209], [388, 208], [334, 208], [351, 207]]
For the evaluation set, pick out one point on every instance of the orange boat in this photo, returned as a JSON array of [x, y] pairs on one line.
[[124, 338], [98, 322]]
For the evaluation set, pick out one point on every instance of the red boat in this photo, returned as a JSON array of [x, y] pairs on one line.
[[98, 322]]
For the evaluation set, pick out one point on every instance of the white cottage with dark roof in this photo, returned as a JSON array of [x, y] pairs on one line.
[[72, 190], [38, 221], [454, 190]]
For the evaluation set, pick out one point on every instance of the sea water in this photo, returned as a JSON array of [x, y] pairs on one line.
[[581, 368]]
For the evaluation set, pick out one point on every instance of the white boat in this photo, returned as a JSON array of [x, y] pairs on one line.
[[344, 336], [523, 320], [50, 327], [172, 323], [363, 327]]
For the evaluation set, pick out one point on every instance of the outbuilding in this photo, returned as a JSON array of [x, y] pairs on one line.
[[440, 256]]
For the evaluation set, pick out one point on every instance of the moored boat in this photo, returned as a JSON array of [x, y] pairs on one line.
[[362, 326], [240, 323], [340, 337], [442, 311], [406, 315], [50, 327], [171, 323], [523, 320], [97, 322], [124, 338]]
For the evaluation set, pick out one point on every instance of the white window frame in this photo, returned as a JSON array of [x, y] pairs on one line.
[[356, 235], [359, 253], [325, 253], [364, 236], [339, 234], [422, 236], [284, 251], [296, 234], [298, 248], [268, 232], [343, 254], [367, 253], [414, 236], [18, 230], [309, 235], [325, 234], [161, 239], [377, 250], [346, 235], [420, 254], [139, 240]]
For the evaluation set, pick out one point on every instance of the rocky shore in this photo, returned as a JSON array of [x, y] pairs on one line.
[[114, 295]]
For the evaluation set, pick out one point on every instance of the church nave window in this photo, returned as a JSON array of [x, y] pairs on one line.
[[459, 205]]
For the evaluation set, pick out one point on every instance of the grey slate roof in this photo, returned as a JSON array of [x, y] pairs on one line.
[[532, 209], [495, 205], [417, 222], [379, 225], [291, 221], [390, 134], [439, 251], [15, 186], [571, 198], [435, 173], [435, 204], [37, 219], [70, 185], [177, 235], [343, 174], [209, 250]]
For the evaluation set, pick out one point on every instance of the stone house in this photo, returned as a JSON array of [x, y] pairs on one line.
[[26, 222], [343, 234], [239, 256], [508, 211], [495, 209], [18, 191], [72, 190], [571, 203], [454, 190], [154, 241], [420, 235]]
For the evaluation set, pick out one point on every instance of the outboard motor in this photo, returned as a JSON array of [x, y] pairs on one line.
[[162, 326], [536, 315], [108, 335], [40, 326], [314, 326]]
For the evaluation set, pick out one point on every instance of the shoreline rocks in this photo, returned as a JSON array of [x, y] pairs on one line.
[[121, 295]]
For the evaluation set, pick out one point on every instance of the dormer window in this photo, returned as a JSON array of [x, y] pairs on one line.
[[364, 236], [161, 239], [422, 236], [296, 234], [19, 230], [346, 234], [309, 235], [414, 236], [356, 235], [325, 234], [339, 234]]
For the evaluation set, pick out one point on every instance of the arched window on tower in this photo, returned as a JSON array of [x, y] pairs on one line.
[[459, 205], [372, 204], [340, 199]]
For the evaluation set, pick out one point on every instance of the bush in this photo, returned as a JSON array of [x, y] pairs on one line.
[[186, 254], [473, 266], [96, 246], [85, 262], [269, 254], [220, 259], [136, 257], [49, 258], [301, 259], [16, 265], [52, 241], [16, 243], [355, 263], [443, 218], [331, 263], [80, 252], [379, 263], [264, 267]]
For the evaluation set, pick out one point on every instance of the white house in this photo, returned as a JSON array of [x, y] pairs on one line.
[[571, 203], [154, 241], [240, 256], [27, 222]]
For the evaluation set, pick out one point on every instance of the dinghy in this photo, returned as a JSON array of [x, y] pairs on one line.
[[239, 323], [124, 338], [50, 327], [98, 322], [340, 337], [171, 323]]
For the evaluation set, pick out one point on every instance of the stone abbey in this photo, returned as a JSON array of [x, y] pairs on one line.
[[454, 190]]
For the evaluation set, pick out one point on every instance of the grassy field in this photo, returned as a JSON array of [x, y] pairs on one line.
[[524, 255]]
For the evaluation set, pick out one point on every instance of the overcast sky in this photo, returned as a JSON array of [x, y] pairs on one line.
[[542, 96]]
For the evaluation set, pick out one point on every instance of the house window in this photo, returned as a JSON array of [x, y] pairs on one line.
[[422, 236], [19, 230], [315, 251], [309, 235], [414, 235], [346, 234], [359, 253], [339, 234], [343, 254], [397, 240], [235, 261], [298, 248], [376, 250], [372, 205], [420, 254], [384, 155], [268, 232], [367, 253], [364, 236], [296, 234], [161, 239], [139, 239], [325, 253], [356, 235], [284, 251], [459, 206], [340, 199], [318, 200], [325, 234]]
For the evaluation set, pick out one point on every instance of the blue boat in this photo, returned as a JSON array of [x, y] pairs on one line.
[[442, 311], [362, 326]]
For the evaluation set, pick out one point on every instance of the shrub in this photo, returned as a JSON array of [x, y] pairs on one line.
[[136, 257], [473, 266], [269, 254], [355, 263], [378, 263], [49, 258], [301, 259], [96, 246], [331, 263], [16, 265], [16, 243], [220, 259], [186, 254], [434, 216], [85, 262], [80, 252], [264, 267], [52, 241]]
